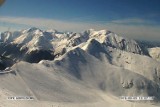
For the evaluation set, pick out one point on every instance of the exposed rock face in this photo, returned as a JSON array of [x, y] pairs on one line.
[[2, 66], [5, 62], [38, 55]]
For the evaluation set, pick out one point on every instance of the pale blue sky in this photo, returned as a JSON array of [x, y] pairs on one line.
[[134, 18]]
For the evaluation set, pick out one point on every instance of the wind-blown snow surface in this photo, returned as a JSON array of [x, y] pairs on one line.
[[95, 70], [155, 53]]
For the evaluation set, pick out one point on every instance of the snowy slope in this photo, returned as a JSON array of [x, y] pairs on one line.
[[36, 39], [10, 36], [154, 53], [107, 37], [33, 39], [85, 78], [78, 77], [133, 62], [88, 69]]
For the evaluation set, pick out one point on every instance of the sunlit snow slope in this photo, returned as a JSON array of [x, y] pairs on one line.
[[89, 69]]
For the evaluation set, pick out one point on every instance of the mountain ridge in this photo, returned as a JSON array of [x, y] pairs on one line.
[[89, 67]]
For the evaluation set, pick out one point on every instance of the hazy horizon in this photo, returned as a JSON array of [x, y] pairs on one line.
[[133, 19]]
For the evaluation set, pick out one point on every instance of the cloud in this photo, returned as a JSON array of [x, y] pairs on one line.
[[143, 29], [47, 23], [133, 21], [140, 32]]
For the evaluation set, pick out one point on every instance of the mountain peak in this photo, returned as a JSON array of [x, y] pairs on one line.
[[32, 29]]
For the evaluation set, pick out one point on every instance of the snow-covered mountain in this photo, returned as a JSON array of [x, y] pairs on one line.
[[92, 68], [154, 53], [35, 39]]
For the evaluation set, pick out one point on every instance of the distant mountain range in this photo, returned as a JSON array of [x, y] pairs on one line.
[[33, 45], [92, 66]]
